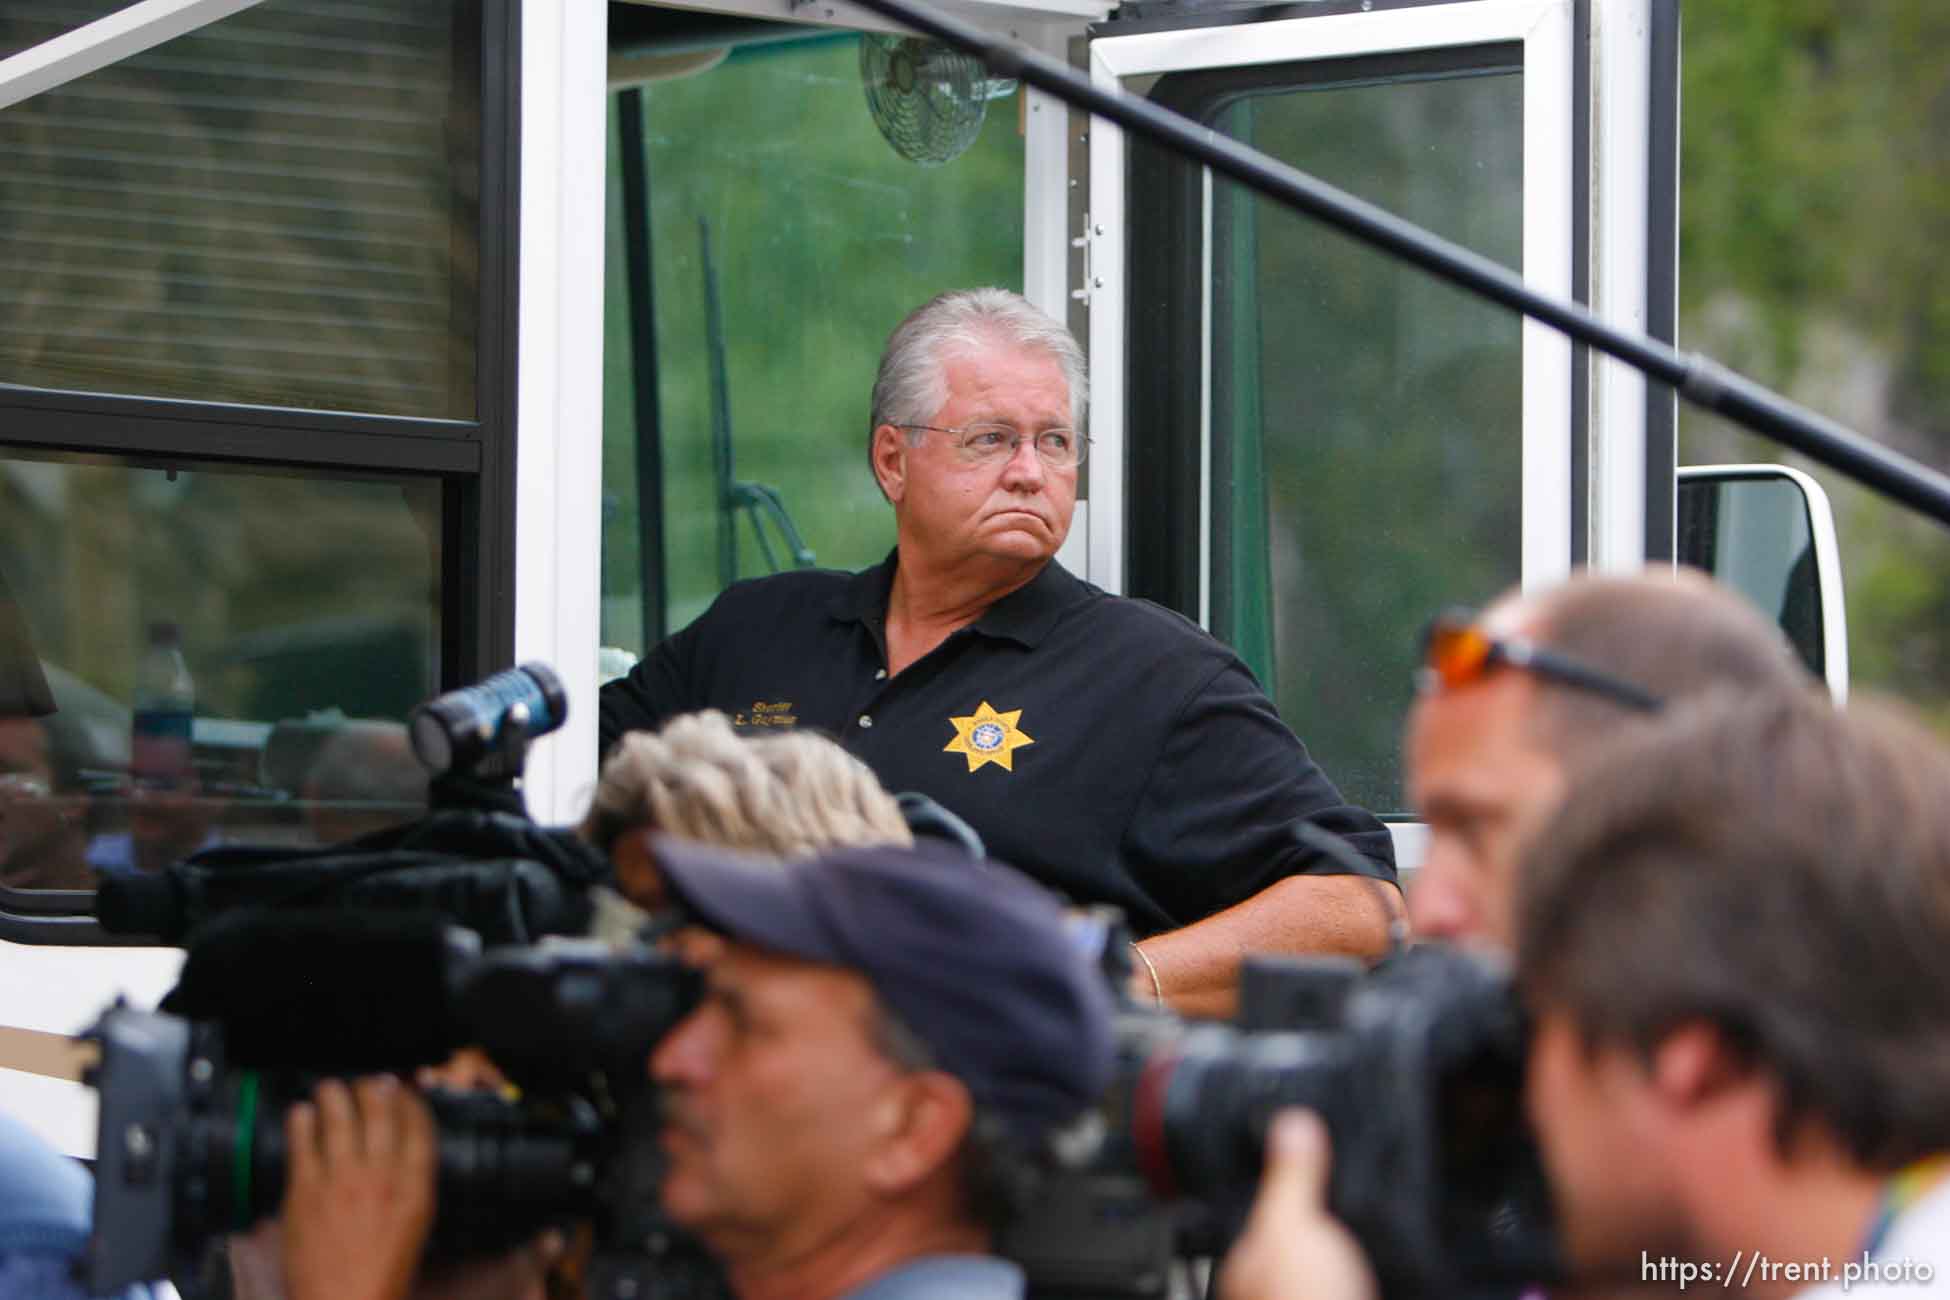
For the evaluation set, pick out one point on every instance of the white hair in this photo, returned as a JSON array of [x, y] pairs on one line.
[[913, 384]]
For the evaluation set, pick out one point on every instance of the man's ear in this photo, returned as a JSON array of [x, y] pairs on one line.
[[1694, 1064], [922, 1123], [890, 461], [638, 877]]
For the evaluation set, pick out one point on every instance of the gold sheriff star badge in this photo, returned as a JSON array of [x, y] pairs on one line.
[[988, 737]]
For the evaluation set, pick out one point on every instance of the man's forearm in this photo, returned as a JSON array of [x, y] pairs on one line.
[[1198, 967]]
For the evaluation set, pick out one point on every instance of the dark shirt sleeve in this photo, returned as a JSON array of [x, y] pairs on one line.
[[1215, 822], [659, 688]]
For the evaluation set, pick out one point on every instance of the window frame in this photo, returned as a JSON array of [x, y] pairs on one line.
[[473, 460], [1553, 188], [1174, 471]]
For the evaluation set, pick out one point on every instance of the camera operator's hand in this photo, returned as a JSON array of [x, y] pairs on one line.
[[1293, 1249], [359, 1191]]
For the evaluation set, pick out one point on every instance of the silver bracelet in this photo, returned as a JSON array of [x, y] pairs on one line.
[[1157, 988]]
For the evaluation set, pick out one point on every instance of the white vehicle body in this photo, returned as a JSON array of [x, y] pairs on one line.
[[1597, 473]]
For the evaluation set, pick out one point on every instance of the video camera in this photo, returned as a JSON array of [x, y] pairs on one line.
[[407, 923], [1416, 1068], [192, 1110], [475, 858]]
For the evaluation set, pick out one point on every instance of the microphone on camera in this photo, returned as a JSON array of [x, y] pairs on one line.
[[329, 991]]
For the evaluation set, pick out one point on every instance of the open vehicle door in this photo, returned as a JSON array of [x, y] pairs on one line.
[[1326, 445]]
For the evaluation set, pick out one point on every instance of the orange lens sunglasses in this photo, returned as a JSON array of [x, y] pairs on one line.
[[1456, 651]]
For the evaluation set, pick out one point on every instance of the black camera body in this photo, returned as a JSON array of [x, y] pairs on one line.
[[190, 1151], [192, 1143], [192, 1101], [1417, 1070]]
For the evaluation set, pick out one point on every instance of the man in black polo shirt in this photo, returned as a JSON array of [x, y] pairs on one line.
[[1106, 746]]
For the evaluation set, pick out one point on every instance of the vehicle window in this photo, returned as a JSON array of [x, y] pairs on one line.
[[784, 239], [1365, 423], [229, 655], [29, 22], [279, 209], [1753, 533]]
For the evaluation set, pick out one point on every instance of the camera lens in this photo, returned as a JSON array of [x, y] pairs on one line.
[[504, 1169], [1202, 1106]]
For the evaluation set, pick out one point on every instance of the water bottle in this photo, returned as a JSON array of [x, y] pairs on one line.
[[165, 702]]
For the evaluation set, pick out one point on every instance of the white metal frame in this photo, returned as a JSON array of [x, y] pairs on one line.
[[559, 414], [1544, 27], [1046, 179], [107, 40], [1046, 237], [1032, 22], [1621, 173], [1828, 560]]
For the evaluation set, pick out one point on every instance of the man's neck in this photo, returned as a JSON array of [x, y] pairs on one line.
[[927, 605], [1807, 1209], [858, 1253]]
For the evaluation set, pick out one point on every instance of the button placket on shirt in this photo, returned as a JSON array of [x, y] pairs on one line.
[[863, 715], [879, 675], [884, 685]]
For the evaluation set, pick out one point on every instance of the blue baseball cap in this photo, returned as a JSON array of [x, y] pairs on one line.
[[972, 957]]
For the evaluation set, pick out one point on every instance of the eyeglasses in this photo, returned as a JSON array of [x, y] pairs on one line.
[[1456, 651], [986, 444]]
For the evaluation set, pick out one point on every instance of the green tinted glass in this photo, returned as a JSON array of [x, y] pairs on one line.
[[218, 673], [770, 190], [1370, 417]]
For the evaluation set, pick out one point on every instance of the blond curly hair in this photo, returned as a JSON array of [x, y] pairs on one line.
[[784, 795]]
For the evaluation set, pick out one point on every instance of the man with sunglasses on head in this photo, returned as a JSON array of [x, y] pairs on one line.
[[1514, 702], [1515, 707], [1108, 747], [1733, 946]]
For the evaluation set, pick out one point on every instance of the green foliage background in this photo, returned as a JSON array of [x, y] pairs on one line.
[[1815, 202]]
